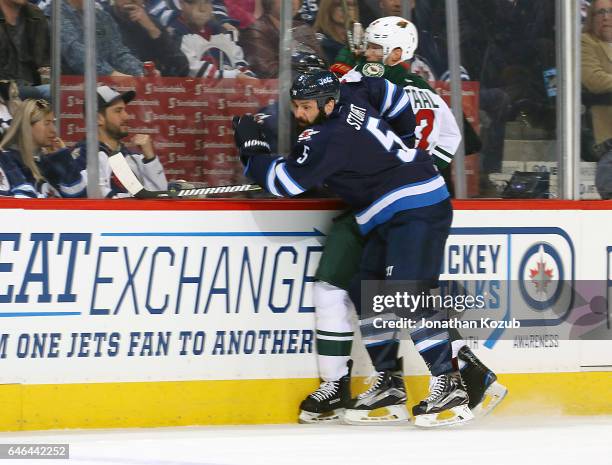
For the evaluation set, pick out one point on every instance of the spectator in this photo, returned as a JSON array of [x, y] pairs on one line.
[[147, 39], [206, 45], [167, 11], [113, 57], [392, 7], [66, 169], [330, 26], [9, 101], [597, 79], [261, 40], [308, 11], [246, 12], [31, 134], [24, 47]]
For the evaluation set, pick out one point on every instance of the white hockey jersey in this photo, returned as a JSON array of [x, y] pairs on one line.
[[437, 131]]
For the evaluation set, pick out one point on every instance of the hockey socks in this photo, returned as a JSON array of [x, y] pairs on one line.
[[333, 311], [435, 348], [383, 354]]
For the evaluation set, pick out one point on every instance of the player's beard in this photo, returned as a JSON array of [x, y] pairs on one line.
[[302, 124]]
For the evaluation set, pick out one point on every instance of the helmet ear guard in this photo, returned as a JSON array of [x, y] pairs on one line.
[[393, 32]]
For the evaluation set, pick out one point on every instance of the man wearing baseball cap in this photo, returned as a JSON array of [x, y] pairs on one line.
[[66, 169]]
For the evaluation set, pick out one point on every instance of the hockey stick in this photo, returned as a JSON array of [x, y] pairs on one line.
[[126, 176]]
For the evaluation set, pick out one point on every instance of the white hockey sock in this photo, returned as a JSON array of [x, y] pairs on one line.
[[334, 330]]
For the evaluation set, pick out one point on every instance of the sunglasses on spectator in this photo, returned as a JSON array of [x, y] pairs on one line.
[[603, 12], [42, 104]]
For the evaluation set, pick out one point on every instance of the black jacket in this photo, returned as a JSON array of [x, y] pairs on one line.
[[34, 54], [165, 51]]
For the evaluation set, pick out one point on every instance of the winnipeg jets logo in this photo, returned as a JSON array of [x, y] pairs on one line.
[[307, 135], [541, 276]]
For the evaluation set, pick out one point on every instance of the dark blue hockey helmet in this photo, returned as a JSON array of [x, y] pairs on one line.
[[306, 61], [321, 86]]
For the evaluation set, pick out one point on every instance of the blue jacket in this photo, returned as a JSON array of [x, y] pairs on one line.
[[112, 54], [16, 179]]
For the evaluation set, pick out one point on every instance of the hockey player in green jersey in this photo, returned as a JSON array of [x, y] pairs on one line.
[[390, 43]]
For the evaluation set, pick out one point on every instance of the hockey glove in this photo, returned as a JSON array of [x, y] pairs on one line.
[[249, 136]]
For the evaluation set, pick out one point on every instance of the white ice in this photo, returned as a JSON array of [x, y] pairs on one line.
[[492, 441]]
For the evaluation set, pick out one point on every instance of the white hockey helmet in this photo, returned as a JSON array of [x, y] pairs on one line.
[[392, 32]]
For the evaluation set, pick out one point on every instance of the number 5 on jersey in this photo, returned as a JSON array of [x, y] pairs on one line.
[[302, 158], [389, 140]]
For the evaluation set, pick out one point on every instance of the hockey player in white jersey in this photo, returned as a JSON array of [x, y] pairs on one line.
[[391, 42]]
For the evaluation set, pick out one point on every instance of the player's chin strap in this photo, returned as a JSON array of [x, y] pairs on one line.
[[126, 176]]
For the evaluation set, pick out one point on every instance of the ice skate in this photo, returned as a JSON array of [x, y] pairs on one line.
[[327, 403], [446, 405], [483, 389], [383, 403]]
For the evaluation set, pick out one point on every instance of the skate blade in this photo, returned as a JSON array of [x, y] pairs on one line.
[[335, 416], [454, 416], [493, 396], [381, 416]]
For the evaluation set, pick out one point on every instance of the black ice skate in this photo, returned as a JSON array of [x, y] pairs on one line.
[[483, 389], [447, 394], [384, 402], [328, 402]]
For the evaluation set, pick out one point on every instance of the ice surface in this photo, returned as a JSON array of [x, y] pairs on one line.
[[492, 441]]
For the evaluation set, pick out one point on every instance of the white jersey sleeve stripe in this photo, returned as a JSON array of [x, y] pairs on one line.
[[271, 178], [400, 106], [389, 91], [287, 181], [440, 153]]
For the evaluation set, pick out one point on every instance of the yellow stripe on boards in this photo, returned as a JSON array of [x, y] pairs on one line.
[[180, 403]]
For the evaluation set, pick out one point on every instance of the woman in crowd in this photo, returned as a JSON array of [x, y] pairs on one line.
[[331, 24], [30, 136], [597, 80]]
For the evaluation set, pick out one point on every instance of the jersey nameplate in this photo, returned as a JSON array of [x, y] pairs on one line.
[[420, 98], [356, 116]]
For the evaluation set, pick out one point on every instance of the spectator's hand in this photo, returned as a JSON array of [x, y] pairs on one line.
[[45, 74], [233, 30], [57, 144], [137, 14], [145, 143]]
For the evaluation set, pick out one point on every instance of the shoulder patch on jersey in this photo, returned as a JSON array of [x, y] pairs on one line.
[[260, 117], [75, 153], [4, 182], [307, 135], [373, 70]]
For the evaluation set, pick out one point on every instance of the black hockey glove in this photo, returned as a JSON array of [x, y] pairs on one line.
[[249, 136]]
